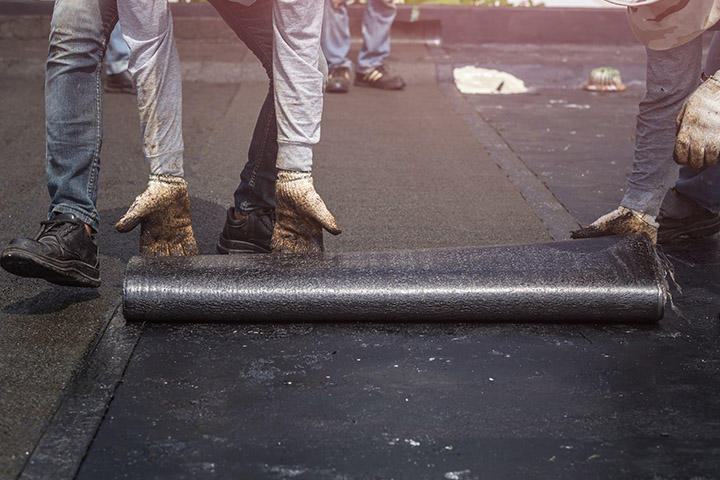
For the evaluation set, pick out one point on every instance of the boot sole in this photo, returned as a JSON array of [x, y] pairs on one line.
[[70, 273], [703, 229]]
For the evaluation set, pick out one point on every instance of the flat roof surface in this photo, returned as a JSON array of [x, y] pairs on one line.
[[88, 395]]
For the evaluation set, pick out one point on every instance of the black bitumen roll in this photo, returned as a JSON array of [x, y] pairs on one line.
[[612, 279]]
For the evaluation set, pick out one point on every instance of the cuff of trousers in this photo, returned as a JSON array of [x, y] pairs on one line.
[[89, 219], [645, 202], [169, 163], [294, 156]]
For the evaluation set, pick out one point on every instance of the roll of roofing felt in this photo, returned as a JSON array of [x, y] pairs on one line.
[[612, 279]]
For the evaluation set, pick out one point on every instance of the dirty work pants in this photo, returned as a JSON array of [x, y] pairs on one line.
[[672, 76], [79, 35], [377, 20], [299, 69], [286, 40]]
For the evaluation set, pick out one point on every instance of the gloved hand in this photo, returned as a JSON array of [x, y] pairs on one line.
[[698, 127], [300, 215], [163, 212], [337, 3], [621, 221]]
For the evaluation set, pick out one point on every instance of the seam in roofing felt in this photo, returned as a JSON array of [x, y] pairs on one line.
[[62, 448], [551, 212]]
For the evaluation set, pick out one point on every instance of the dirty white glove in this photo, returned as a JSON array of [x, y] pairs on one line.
[[621, 221], [163, 212], [300, 215], [698, 127]]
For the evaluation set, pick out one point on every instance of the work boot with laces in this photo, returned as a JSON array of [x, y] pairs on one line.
[[62, 253], [252, 234]]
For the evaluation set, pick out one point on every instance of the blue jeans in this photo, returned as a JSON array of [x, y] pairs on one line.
[[73, 104], [377, 20], [672, 76], [253, 25], [118, 53]]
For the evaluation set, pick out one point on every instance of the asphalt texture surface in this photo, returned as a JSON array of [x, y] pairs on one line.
[[87, 395]]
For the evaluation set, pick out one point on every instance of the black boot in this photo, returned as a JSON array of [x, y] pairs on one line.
[[252, 234], [62, 253], [681, 217]]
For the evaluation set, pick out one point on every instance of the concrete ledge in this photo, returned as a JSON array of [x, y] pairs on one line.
[[440, 23], [462, 24]]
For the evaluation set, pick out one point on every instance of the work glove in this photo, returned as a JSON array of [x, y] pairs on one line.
[[300, 216], [621, 221], [698, 127], [163, 212]]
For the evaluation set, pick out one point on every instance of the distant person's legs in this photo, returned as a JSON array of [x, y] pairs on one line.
[[118, 79], [378, 17], [377, 22], [335, 41]]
